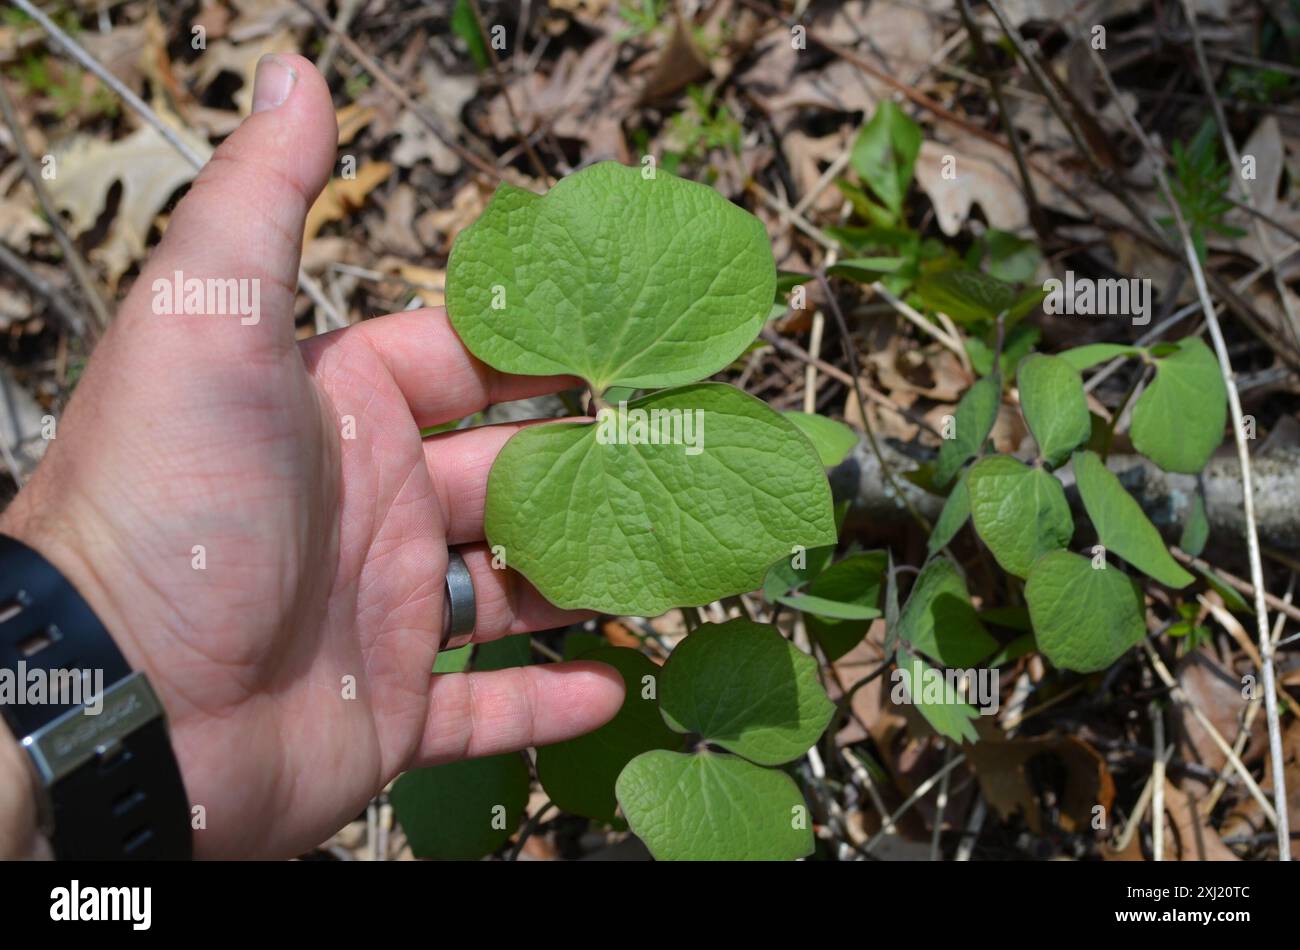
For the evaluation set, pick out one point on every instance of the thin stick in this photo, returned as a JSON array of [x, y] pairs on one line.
[[1139, 810], [851, 355], [1181, 314], [921, 791], [1181, 697], [59, 304], [1243, 458], [80, 271], [499, 74], [347, 10], [810, 369], [1158, 784], [908, 313], [1248, 719], [837, 374], [196, 161], [940, 806]]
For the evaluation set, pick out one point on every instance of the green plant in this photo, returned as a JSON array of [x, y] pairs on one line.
[[641, 285], [641, 16], [1200, 186], [705, 124]]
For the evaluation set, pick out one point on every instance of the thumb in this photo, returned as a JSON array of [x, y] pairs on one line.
[[242, 219]]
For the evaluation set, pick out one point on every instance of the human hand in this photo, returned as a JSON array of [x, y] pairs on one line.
[[324, 556]]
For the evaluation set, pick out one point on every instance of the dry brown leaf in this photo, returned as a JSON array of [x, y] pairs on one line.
[[959, 176], [19, 222], [680, 63], [241, 59], [150, 171], [397, 232], [438, 227], [1216, 692], [1291, 766], [443, 99], [342, 196], [1193, 838], [582, 98], [351, 119], [1003, 767]]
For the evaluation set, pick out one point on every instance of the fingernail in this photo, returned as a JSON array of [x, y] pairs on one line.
[[272, 83]]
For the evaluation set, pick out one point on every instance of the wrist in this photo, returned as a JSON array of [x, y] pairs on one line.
[[82, 796], [76, 547]]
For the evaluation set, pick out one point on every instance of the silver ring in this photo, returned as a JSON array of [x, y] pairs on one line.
[[459, 609]]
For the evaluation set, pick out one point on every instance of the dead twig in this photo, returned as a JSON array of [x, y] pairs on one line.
[[80, 271]]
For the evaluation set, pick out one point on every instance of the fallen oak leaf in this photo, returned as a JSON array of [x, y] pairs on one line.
[[342, 196], [149, 170]]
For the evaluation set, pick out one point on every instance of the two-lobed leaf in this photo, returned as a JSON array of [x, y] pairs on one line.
[[617, 278], [884, 154], [743, 686], [855, 581], [713, 807], [1084, 617], [1178, 420], [640, 528]]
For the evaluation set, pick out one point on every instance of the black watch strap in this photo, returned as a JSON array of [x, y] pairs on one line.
[[110, 779]]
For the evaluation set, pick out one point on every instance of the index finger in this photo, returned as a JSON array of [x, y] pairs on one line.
[[440, 379]]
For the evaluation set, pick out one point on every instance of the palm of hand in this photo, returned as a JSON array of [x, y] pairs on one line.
[[263, 530]]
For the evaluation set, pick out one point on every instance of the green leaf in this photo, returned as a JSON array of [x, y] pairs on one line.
[[1122, 527], [1197, 529], [597, 523], [884, 154], [453, 661], [743, 686], [1232, 598], [1011, 258], [578, 642], [926, 688], [465, 25], [1054, 406], [1178, 421], [1083, 357], [856, 580], [618, 279], [462, 810], [783, 577], [824, 607], [1018, 511], [954, 514], [968, 296], [504, 653], [712, 807], [579, 774], [1084, 618], [972, 423], [832, 440], [1016, 347], [938, 618]]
